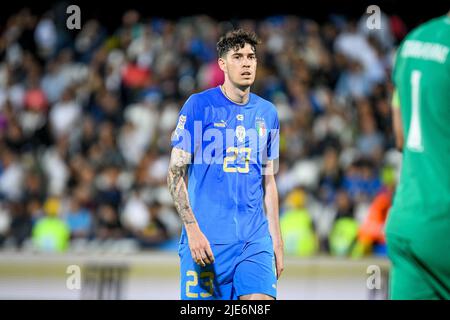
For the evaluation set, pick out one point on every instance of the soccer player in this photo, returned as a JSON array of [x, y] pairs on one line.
[[226, 142], [418, 225]]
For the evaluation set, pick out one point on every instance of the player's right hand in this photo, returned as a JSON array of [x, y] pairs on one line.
[[200, 248]]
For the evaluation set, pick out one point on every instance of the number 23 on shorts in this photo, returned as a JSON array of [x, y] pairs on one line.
[[208, 284]]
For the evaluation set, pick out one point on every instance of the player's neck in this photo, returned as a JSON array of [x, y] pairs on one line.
[[235, 94]]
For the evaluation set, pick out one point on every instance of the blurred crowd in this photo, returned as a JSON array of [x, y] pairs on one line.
[[86, 118]]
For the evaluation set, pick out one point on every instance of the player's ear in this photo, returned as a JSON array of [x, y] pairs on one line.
[[222, 64]]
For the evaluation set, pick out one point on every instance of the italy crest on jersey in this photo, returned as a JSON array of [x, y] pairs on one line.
[[260, 125]]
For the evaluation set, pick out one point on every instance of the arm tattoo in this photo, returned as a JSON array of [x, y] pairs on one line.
[[175, 180]]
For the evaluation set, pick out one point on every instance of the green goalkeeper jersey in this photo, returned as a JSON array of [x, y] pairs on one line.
[[422, 79]]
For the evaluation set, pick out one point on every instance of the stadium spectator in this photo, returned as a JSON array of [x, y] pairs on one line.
[[371, 237], [50, 233], [297, 226]]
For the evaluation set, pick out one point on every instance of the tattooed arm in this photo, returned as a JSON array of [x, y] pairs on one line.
[[198, 244], [179, 162]]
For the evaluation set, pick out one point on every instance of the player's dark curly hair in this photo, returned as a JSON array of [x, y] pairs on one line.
[[236, 39]]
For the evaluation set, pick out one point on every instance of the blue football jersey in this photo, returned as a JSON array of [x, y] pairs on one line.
[[229, 143]]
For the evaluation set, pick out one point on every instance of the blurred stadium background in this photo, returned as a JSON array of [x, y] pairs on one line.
[[85, 123]]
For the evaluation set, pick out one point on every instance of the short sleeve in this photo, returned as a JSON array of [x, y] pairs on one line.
[[273, 139], [183, 135]]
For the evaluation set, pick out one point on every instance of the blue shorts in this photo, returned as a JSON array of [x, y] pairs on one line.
[[239, 269]]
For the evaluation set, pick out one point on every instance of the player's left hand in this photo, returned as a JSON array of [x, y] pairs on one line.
[[279, 259]]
